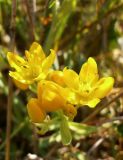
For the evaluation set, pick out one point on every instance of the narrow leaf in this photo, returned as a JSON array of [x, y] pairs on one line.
[[82, 128], [65, 132]]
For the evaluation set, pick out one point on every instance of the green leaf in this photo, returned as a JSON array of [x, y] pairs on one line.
[[65, 132], [47, 125], [120, 129], [52, 3], [81, 128], [59, 22], [44, 129]]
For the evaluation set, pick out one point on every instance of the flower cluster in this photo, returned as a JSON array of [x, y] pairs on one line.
[[57, 90]]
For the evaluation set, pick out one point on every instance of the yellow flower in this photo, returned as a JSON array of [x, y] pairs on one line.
[[34, 67], [86, 87], [50, 99], [36, 113]]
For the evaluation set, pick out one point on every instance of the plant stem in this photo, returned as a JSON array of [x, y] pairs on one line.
[[9, 113], [10, 85], [30, 5]]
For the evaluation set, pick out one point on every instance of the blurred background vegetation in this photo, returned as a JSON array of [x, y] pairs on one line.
[[76, 29]]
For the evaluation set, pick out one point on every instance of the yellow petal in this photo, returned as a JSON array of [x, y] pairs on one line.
[[93, 102], [35, 56], [20, 77], [70, 96], [52, 102], [20, 66], [49, 96], [71, 78], [70, 111], [40, 91], [48, 61], [15, 61], [41, 76], [103, 87], [57, 77], [37, 50], [20, 85], [36, 114], [89, 72]]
